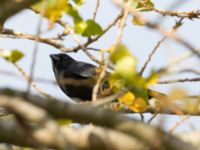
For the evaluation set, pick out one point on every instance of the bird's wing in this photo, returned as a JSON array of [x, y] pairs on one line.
[[82, 69]]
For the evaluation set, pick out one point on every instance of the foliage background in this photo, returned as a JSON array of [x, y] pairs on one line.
[[140, 40]]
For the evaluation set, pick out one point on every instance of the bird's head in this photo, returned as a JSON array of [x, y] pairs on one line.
[[61, 60]]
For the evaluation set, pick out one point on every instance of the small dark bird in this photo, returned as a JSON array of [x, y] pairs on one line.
[[75, 78]]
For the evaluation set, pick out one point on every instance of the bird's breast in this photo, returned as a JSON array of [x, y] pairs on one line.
[[80, 88]]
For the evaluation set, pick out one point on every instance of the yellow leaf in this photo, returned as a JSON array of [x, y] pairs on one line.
[[152, 79], [139, 105], [64, 121], [53, 8], [137, 21], [127, 98]]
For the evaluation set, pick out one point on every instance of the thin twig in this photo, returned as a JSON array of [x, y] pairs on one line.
[[142, 117], [41, 80], [196, 72], [174, 29], [96, 9], [52, 41], [35, 50], [151, 55], [179, 81], [181, 14], [152, 117], [72, 32], [31, 82], [122, 22], [184, 118], [90, 40], [99, 80], [108, 99], [172, 6], [157, 27], [92, 48]]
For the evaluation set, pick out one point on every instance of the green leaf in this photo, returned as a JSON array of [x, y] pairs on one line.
[[145, 5], [138, 88], [64, 121], [13, 56], [80, 27], [79, 2], [125, 75], [125, 67], [118, 52], [124, 63], [93, 28], [72, 11]]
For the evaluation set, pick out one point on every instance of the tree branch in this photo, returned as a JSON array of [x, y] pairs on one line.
[[109, 119], [9, 8]]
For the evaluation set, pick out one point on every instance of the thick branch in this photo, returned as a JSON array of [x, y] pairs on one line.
[[35, 125], [110, 119], [10, 7], [88, 137]]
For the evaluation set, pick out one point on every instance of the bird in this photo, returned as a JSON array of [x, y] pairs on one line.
[[77, 79]]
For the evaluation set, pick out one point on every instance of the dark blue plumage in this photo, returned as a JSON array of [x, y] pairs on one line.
[[75, 78]]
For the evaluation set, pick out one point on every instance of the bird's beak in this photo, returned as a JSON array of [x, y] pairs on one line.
[[54, 57]]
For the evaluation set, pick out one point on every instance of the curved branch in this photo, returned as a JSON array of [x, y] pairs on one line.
[[9, 8]]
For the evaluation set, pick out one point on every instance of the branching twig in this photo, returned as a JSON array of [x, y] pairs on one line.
[[174, 28], [157, 27], [14, 34], [72, 32], [92, 40]]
